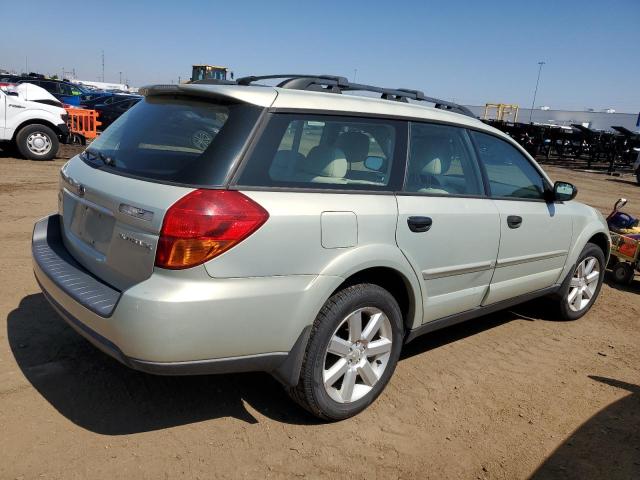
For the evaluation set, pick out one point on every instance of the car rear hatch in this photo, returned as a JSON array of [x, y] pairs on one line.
[[114, 196]]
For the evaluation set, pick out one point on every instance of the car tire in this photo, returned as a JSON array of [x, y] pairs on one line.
[[37, 142], [623, 273], [352, 352], [638, 176], [580, 289]]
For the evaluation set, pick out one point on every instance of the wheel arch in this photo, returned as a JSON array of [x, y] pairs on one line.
[[387, 276], [601, 240], [36, 121], [392, 280], [592, 232]]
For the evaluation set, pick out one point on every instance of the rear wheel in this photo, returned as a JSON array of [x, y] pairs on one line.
[[581, 287], [353, 350], [37, 142]]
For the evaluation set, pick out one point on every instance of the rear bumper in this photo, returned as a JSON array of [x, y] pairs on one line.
[[284, 366], [183, 323]]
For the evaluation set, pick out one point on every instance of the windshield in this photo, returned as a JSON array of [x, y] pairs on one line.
[[175, 139]]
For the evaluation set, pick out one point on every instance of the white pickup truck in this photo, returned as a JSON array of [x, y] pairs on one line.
[[31, 120]]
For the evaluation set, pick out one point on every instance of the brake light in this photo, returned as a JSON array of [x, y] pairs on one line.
[[204, 224]]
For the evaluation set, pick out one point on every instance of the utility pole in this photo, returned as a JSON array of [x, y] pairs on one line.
[[355, 74], [120, 77], [103, 65], [535, 92]]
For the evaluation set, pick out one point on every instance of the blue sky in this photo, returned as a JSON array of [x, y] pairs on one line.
[[470, 51]]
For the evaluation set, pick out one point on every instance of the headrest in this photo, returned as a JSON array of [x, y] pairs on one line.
[[326, 161], [431, 155], [433, 167], [355, 145]]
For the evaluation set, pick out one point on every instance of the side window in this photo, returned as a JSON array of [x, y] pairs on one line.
[[65, 89], [510, 173], [325, 152], [441, 161], [302, 136]]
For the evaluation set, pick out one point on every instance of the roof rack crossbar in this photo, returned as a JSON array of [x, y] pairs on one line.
[[338, 84], [328, 79]]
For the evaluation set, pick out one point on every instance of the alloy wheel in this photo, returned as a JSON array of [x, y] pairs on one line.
[[584, 284], [357, 354]]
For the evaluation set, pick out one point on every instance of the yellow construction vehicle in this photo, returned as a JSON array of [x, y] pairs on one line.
[[206, 72]]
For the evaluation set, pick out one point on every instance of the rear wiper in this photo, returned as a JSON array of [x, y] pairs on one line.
[[108, 161], [88, 152]]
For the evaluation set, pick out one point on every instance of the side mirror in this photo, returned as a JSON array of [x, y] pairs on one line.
[[564, 191], [374, 163]]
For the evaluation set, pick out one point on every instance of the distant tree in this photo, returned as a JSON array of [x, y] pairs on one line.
[[55, 77]]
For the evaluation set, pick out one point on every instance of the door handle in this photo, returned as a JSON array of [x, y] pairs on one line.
[[514, 221], [419, 224]]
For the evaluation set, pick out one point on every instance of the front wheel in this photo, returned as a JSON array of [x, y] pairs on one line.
[[37, 142], [581, 287], [353, 350]]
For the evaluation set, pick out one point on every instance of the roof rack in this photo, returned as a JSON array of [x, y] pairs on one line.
[[337, 84]]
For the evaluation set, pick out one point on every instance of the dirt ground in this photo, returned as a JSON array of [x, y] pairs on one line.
[[515, 394]]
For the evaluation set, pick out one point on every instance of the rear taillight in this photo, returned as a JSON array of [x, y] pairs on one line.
[[204, 224]]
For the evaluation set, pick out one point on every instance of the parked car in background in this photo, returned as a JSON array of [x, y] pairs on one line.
[[92, 94], [109, 113], [107, 99], [31, 120], [305, 232], [67, 92]]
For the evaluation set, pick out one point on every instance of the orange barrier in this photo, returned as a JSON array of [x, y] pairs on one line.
[[83, 122]]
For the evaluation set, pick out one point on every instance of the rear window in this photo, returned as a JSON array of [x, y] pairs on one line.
[[327, 152], [175, 139]]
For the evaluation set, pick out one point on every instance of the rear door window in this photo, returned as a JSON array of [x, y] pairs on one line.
[[317, 151], [175, 139], [441, 162]]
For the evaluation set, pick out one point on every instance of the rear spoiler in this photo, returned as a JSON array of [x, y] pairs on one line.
[[260, 96]]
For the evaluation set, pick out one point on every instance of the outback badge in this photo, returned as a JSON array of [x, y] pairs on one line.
[[136, 241]]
